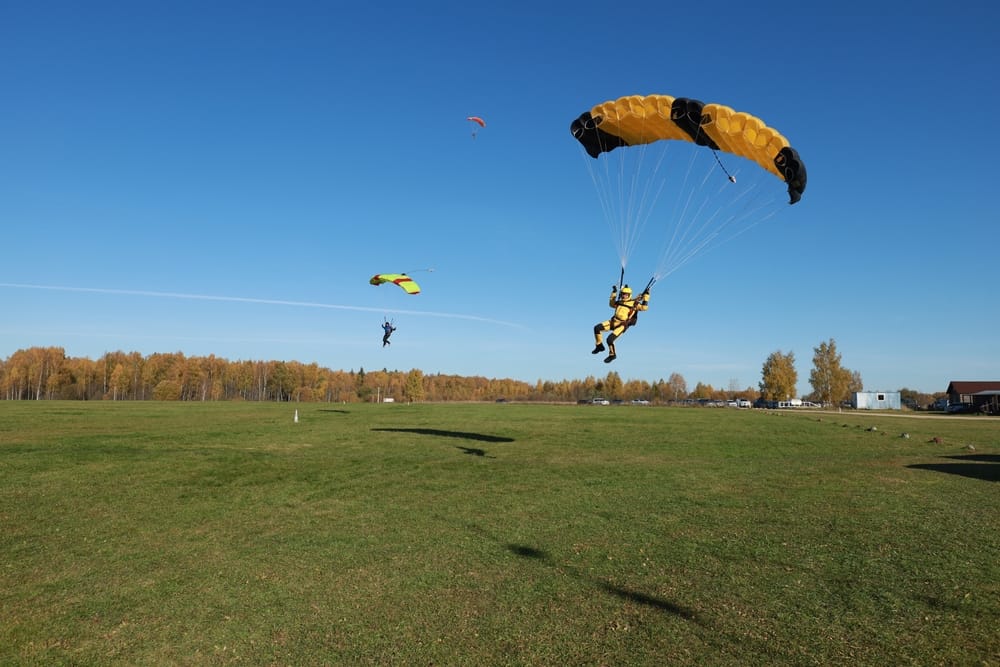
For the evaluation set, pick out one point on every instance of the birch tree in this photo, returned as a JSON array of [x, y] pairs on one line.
[[779, 377]]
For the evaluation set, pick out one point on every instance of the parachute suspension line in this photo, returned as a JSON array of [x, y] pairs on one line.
[[627, 219], [724, 214], [602, 186], [646, 189], [732, 179], [695, 227], [645, 203], [677, 248], [628, 189], [701, 230]]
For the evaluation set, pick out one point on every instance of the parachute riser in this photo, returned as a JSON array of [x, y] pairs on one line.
[[621, 282]]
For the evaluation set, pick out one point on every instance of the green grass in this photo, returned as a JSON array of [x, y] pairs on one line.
[[167, 533]]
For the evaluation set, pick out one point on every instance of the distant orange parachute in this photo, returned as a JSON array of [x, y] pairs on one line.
[[478, 121]]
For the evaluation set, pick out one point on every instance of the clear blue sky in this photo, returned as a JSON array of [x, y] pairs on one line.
[[274, 155]]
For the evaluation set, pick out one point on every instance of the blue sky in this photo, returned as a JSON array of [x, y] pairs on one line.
[[223, 178]]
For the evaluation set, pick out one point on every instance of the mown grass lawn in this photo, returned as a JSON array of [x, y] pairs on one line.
[[226, 533]]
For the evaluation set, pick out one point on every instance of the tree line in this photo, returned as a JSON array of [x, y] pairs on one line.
[[46, 373]]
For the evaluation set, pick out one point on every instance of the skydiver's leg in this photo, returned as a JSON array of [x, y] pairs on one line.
[[598, 330], [611, 349], [616, 333]]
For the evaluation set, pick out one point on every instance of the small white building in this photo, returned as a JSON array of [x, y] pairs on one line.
[[877, 400]]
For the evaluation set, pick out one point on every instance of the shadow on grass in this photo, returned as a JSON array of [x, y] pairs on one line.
[[343, 412], [481, 437], [985, 458], [475, 451], [637, 597], [976, 466]]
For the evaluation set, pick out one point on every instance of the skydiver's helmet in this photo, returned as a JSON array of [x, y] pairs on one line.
[[625, 294]]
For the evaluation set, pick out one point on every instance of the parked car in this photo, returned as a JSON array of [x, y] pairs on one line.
[[958, 407], [640, 401], [600, 401]]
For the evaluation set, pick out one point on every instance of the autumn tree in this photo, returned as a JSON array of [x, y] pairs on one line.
[[855, 384], [702, 391], [778, 377], [677, 387], [613, 385], [413, 390], [831, 382]]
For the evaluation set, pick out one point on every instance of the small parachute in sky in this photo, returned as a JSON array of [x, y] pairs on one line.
[[478, 121], [401, 279]]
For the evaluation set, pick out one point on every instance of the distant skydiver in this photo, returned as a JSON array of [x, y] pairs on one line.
[[478, 121], [625, 315], [388, 329]]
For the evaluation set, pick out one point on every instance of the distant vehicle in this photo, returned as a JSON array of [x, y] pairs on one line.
[[958, 407], [640, 401], [600, 401], [742, 403], [501, 400]]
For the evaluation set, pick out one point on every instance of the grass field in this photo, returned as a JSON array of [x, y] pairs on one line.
[[226, 533]]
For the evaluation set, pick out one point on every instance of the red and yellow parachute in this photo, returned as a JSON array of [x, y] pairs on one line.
[[400, 279]]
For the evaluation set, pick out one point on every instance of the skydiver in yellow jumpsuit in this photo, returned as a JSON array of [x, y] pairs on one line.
[[625, 315]]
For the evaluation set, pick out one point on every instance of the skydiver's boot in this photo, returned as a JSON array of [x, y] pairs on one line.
[[599, 348]]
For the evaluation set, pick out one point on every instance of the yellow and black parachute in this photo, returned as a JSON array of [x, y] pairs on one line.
[[676, 177], [636, 120]]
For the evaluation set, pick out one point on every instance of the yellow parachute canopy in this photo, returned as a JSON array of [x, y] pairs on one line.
[[401, 279], [636, 120]]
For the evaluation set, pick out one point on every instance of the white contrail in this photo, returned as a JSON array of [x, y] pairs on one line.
[[243, 299]]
